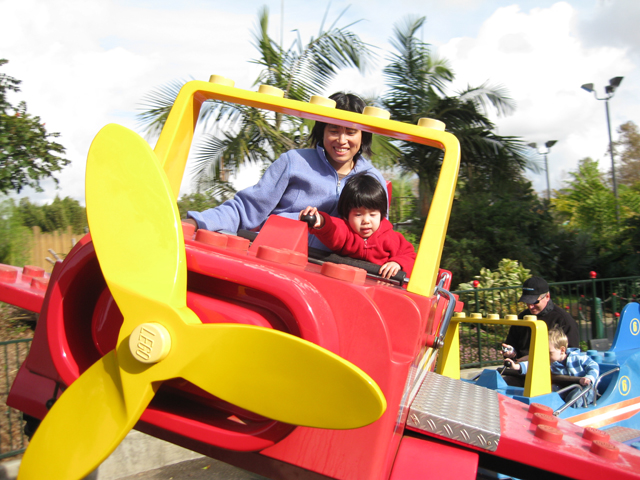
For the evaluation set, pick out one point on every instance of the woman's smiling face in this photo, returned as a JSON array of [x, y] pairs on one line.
[[341, 145]]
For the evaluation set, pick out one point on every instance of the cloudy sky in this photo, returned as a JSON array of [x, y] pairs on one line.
[[86, 63]]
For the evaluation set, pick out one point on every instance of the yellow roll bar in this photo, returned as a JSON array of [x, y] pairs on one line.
[[172, 150], [538, 377]]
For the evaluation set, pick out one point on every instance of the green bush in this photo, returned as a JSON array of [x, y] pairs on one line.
[[15, 238], [510, 273]]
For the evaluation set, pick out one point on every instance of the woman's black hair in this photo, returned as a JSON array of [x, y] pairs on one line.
[[351, 103], [362, 191]]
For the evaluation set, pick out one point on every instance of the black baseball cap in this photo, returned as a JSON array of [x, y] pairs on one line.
[[532, 289]]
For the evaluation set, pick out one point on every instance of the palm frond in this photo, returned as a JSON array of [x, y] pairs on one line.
[[156, 106]]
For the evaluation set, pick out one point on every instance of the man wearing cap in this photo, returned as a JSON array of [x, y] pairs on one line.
[[535, 295]]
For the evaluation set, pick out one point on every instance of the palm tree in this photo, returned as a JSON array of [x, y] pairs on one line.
[[237, 134], [417, 82]]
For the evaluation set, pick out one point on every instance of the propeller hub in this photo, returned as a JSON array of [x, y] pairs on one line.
[[150, 343]]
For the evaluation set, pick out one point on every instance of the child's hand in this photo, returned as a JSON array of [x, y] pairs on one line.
[[513, 365], [389, 269], [313, 211], [585, 381]]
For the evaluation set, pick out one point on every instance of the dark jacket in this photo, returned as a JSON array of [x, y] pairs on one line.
[[520, 337]]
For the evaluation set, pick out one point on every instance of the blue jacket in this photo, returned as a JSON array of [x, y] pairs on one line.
[[577, 364], [296, 180]]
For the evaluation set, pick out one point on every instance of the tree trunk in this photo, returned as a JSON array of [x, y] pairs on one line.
[[425, 195]]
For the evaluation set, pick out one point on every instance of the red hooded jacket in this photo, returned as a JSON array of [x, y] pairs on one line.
[[385, 245]]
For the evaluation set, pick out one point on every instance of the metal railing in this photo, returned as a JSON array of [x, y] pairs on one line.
[[595, 304], [12, 438]]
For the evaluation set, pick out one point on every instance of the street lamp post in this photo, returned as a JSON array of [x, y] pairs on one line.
[[548, 144], [609, 90]]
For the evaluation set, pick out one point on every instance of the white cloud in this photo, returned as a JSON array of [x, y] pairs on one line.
[[86, 63], [540, 58]]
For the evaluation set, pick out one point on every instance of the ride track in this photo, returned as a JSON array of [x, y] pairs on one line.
[[249, 353]]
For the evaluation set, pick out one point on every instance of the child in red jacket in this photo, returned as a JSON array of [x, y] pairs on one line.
[[363, 231]]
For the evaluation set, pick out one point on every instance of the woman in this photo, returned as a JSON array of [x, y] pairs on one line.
[[299, 178]]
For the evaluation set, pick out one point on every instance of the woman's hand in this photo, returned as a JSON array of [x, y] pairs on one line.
[[190, 221], [585, 381], [313, 211], [389, 269]]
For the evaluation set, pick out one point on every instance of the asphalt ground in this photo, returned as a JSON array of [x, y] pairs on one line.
[[199, 469]]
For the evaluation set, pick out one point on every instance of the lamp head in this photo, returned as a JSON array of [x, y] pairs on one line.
[[588, 87], [533, 145], [550, 143], [615, 82]]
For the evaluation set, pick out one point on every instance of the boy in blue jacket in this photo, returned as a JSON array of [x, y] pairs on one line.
[[567, 361]]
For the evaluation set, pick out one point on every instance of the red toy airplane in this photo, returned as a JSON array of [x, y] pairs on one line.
[[248, 352]]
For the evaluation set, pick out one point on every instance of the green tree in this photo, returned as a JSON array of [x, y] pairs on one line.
[[248, 135], [27, 153], [588, 204], [15, 238], [488, 226], [586, 207], [55, 216], [403, 201], [196, 202], [628, 148], [417, 82]]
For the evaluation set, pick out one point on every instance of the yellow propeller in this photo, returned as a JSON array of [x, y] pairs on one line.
[[137, 235]]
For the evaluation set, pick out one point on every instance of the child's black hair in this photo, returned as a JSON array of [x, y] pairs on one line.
[[362, 191]]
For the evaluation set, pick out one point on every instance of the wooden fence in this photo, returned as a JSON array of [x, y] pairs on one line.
[[60, 242]]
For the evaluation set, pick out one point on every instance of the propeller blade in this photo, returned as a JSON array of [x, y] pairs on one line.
[[134, 221], [137, 235], [86, 423], [280, 376]]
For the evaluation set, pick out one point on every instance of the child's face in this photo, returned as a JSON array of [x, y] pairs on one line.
[[556, 355], [364, 221]]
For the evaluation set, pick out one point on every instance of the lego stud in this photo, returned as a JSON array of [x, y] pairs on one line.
[[269, 90], [493, 316], [544, 419], [431, 123], [39, 283], [150, 343], [605, 450], [531, 318], [459, 315], [220, 80], [33, 271], [511, 317], [476, 315], [211, 238], [238, 243], [376, 112], [322, 101], [591, 433], [278, 255], [344, 272], [539, 408], [8, 274], [548, 433], [188, 230], [299, 259]]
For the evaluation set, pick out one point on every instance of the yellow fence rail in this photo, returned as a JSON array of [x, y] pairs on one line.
[[59, 242]]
